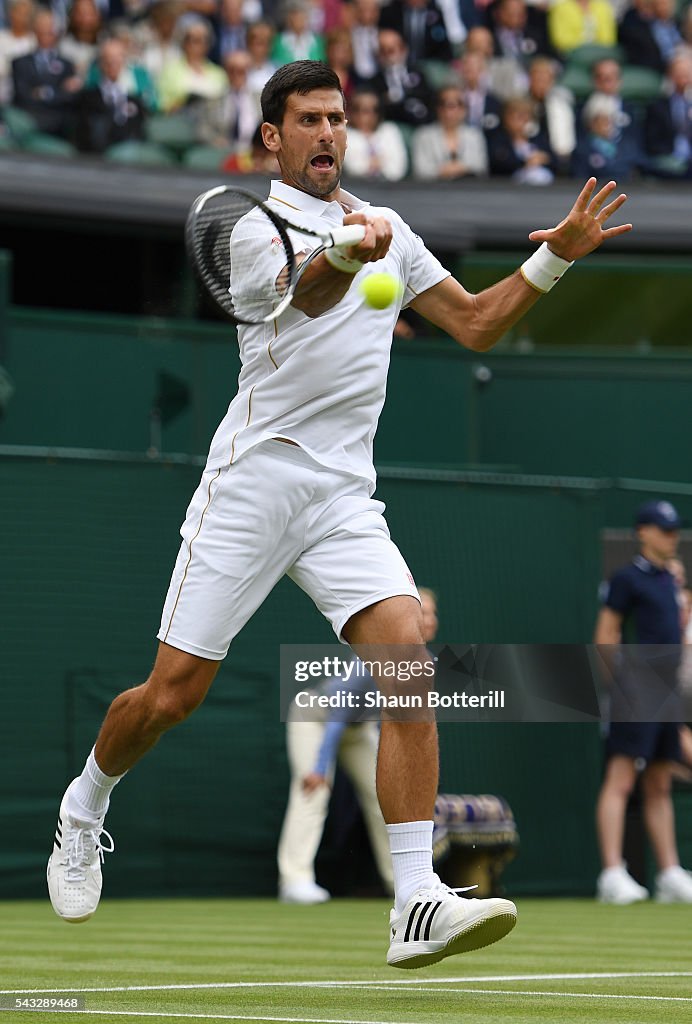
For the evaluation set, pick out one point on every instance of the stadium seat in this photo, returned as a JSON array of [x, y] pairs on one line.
[[577, 79], [587, 55], [140, 153], [47, 145], [19, 123], [175, 131], [206, 158], [438, 73], [640, 85]]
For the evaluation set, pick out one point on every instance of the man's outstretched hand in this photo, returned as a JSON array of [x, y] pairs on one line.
[[582, 230]]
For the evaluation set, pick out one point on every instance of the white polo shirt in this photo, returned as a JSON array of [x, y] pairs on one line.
[[321, 382]]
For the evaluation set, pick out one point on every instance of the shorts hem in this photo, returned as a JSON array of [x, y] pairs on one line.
[[365, 603], [188, 648]]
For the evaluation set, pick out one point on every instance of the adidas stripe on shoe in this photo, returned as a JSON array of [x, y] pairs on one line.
[[437, 922]]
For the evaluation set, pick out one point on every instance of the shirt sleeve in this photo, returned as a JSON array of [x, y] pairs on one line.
[[425, 269], [257, 259], [620, 593], [326, 755], [340, 717]]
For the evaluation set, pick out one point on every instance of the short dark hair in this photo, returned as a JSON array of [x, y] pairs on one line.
[[301, 76]]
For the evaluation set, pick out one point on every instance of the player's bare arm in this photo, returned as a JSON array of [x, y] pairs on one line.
[[479, 321], [323, 285], [607, 637]]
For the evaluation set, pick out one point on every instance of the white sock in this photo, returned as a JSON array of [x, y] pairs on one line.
[[89, 795], [411, 846]]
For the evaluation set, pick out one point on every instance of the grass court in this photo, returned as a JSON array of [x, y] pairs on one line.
[[259, 960]]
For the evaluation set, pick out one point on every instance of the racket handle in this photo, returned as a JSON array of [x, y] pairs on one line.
[[349, 234]]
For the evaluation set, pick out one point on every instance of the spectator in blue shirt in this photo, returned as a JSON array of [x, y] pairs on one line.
[[641, 606]]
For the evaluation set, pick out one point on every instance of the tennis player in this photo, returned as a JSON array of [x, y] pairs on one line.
[[287, 489]]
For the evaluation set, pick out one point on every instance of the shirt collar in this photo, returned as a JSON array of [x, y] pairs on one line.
[[299, 200], [646, 566]]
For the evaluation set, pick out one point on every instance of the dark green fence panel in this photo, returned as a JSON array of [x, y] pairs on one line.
[[94, 382], [606, 300], [86, 548]]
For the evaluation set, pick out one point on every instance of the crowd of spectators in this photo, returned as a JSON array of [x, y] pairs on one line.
[[435, 89]]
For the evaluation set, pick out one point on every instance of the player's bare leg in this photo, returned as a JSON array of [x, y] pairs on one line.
[[135, 721], [138, 717], [429, 920], [615, 884], [673, 883]]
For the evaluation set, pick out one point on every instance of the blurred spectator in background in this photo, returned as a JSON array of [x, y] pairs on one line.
[[376, 148], [260, 37], [668, 124], [340, 59], [403, 89], [134, 79], [483, 107], [155, 38], [422, 27], [606, 77], [665, 29], [106, 114], [641, 599], [193, 77], [512, 153], [449, 148], [454, 19], [364, 20], [297, 41], [553, 110], [574, 23], [519, 32], [256, 159], [230, 121], [324, 15], [232, 30], [315, 741], [505, 77], [16, 40], [603, 150], [44, 83], [80, 42], [649, 34]]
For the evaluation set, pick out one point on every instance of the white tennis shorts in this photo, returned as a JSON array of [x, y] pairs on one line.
[[274, 512]]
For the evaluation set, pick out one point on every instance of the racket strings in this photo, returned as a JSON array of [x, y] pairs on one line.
[[232, 240]]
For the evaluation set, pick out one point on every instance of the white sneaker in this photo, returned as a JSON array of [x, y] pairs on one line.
[[674, 886], [437, 922], [616, 885], [303, 892], [74, 867]]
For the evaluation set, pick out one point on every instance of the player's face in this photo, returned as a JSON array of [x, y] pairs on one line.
[[311, 142], [658, 544]]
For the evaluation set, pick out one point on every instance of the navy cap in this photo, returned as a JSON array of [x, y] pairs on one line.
[[659, 513]]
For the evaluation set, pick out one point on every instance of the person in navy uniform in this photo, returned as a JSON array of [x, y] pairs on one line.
[[641, 606]]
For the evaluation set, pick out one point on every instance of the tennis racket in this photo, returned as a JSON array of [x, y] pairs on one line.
[[244, 253]]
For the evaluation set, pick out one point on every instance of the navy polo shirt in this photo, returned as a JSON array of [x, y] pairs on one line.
[[646, 596]]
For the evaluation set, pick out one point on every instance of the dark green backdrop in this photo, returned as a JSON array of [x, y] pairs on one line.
[[87, 543]]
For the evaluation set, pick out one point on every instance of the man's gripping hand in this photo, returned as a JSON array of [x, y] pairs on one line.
[[378, 238], [583, 229]]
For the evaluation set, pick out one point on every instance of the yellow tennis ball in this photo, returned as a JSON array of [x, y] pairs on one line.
[[381, 290]]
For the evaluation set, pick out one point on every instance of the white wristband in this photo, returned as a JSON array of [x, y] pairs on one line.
[[544, 269], [335, 257]]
